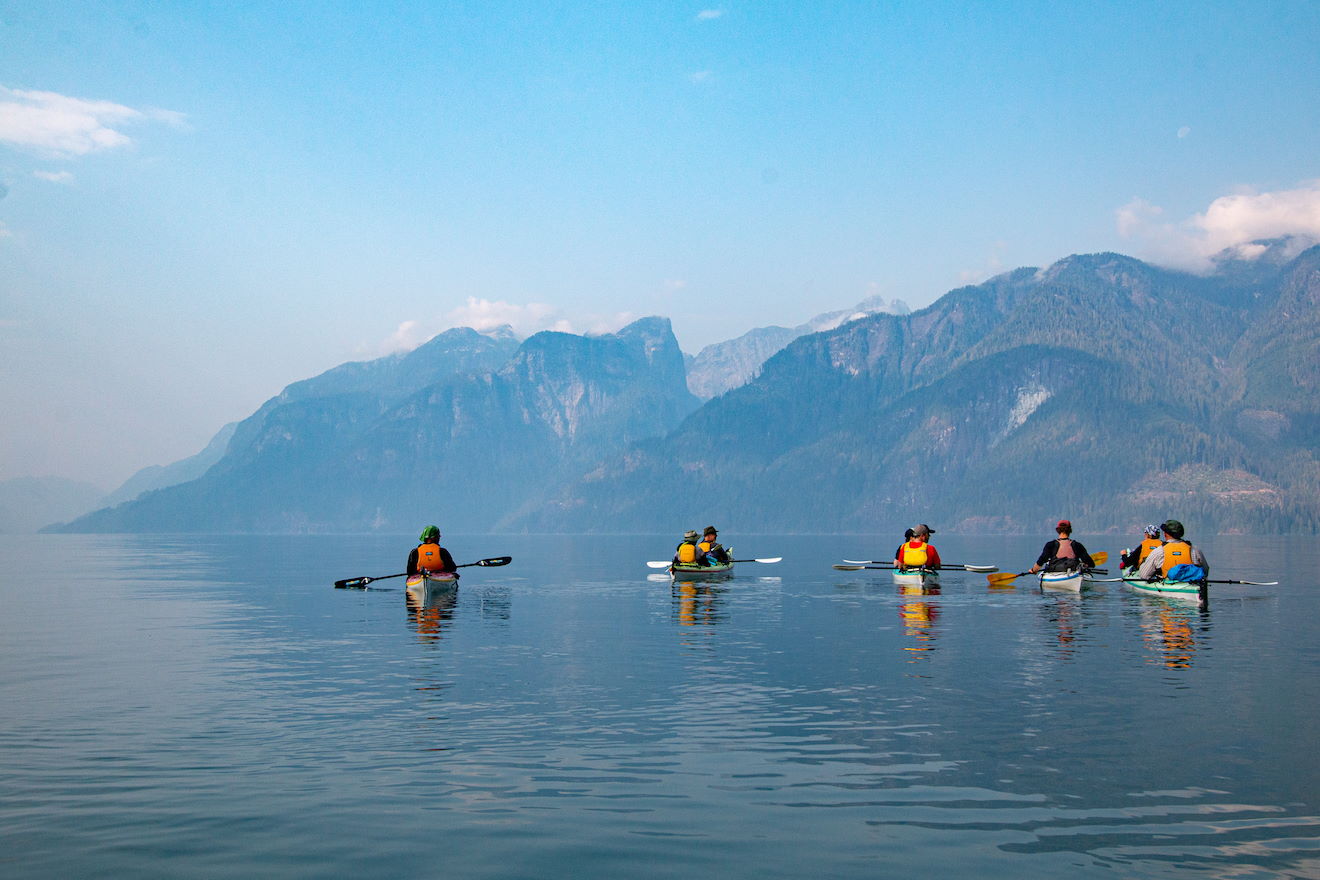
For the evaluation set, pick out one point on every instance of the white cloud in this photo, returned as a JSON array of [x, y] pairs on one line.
[[54, 176], [1231, 223], [1184, 132], [57, 125], [709, 14], [700, 76]]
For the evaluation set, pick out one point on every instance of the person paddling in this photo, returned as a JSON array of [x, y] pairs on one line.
[[907, 536], [688, 553], [917, 552], [1063, 553], [1167, 561], [713, 552], [429, 555], [1150, 541]]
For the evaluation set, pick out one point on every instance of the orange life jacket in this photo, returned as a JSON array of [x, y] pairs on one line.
[[687, 553], [429, 558], [914, 554], [706, 545], [1176, 553], [1147, 546]]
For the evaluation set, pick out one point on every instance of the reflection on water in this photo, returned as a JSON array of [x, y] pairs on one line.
[[238, 717], [1170, 627], [430, 610], [697, 602], [919, 618]]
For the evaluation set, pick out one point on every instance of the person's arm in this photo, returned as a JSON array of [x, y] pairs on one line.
[[1152, 565], [898, 556], [412, 561], [1046, 554], [447, 561], [1199, 559], [932, 557], [1082, 556]]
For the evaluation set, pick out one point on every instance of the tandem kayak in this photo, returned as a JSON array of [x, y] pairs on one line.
[[680, 570], [1161, 587], [917, 577], [1061, 580], [439, 580]]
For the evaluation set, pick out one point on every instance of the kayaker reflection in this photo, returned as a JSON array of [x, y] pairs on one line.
[[1062, 553], [919, 622], [1168, 631], [1174, 552], [429, 555], [1150, 541], [430, 613], [917, 551], [697, 604]]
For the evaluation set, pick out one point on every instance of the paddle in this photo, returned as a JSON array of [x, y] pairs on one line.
[[349, 583], [1004, 577], [964, 566], [655, 563]]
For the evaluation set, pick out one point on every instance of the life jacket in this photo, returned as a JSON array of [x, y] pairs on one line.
[[687, 553], [706, 545], [1146, 547], [1065, 550], [429, 558], [1176, 553], [914, 554]]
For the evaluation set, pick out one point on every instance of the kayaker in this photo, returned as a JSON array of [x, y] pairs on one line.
[[688, 553], [1150, 540], [429, 555], [917, 552], [1174, 552], [713, 551], [907, 536], [1063, 553]]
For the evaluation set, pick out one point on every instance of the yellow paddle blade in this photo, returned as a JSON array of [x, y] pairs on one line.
[[1002, 577], [1100, 558]]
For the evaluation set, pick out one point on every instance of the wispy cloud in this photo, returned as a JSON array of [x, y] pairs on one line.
[[485, 315], [56, 125], [1184, 132], [4, 230], [54, 176], [1230, 224], [709, 14], [700, 76]]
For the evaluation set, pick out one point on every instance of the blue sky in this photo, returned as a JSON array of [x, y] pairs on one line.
[[203, 202]]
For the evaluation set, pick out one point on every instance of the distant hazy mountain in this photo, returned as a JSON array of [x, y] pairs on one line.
[[159, 476], [722, 366], [469, 448], [29, 503], [1102, 389]]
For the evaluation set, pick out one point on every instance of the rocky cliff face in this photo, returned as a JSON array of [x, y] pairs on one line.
[[386, 444], [727, 365], [1076, 390]]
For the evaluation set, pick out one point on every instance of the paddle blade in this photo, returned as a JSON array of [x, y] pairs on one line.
[[981, 568], [1003, 577], [771, 559], [1100, 558], [850, 567], [349, 583], [497, 560], [655, 563]]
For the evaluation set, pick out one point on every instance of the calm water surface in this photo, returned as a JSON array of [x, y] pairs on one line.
[[213, 707]]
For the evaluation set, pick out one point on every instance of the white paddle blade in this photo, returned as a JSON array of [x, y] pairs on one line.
[[771, 559], [655, 563], [862, 562], [981, 568], [849, 567]]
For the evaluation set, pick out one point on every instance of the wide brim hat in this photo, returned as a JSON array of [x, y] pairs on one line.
[[689, 534]]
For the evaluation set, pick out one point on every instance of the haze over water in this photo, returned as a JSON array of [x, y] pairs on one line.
[[212, 707]]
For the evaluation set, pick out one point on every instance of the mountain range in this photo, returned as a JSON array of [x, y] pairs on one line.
[[1100, 388]]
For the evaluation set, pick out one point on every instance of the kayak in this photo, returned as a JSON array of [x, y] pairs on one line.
[[1161, 587], [681, 570], [439, 580], [917, 577], [1061, 580]]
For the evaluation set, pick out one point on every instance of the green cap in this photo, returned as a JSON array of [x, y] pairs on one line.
[[1173, 527], [430, 533]]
